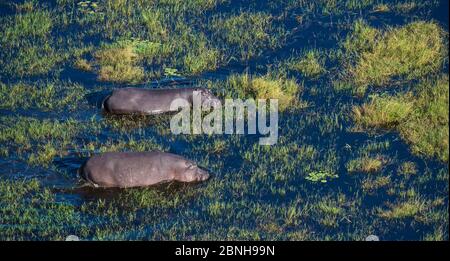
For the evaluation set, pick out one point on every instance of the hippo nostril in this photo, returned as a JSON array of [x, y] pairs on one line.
[[202, 175], [205, 176]]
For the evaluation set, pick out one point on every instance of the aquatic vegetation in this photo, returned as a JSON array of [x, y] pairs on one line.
[[365, 164], [197, 54], [27, 49], [411, 208], [171, 72], [320, 176], [383, 111], [129, 144], [371, 185], [407, 168], [36, 24], [31, 58], [83, 64], [30, 212], [310, 65], [302, 52], [426, 129], [119, 64], [331, 211], [42, 95], [201, 59], [380, 57], [382, 8], [25, 135], [156, 22], [265, 87], [87, 7], [361, 39], [148, 51], [196, 6], [250, 32], [422, 120]]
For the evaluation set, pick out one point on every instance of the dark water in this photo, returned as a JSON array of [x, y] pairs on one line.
[[300, 127]]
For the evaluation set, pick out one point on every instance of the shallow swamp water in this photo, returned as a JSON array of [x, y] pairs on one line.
[[325, 179]]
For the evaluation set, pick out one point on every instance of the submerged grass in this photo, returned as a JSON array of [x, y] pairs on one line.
[[265, 87], [311, 64], [54, 95], [249, 32], [426, 129], [37, 141], [384, 111], [27, 45], [30, 212], [421, 119], [256, 192], [383, 56], [36, 24], [119, 64], [365, 164]]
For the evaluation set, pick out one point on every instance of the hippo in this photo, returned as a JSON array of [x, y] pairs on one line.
[[151, 101], [138, 169]]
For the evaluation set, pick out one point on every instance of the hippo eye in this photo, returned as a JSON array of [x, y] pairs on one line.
[[191, 166]]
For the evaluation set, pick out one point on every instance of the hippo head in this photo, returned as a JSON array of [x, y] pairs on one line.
[[208, 96], [192, 173]]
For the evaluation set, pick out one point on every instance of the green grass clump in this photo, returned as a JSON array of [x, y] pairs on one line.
[[309, 65], [330, 212], [408, 52], [426, 129], [201, 59], [265, 87], [362, 39], [29, 212], [194, 53], [42, 95], [371, 184], [411, 208], [27, 45], [38, 141], [31, 58], [407, 168], [155, 22], [119, 64], [83, 65], [193, 6], [147, 51], [383, 111], [250, 32], [28, 25], [120, 145], [365, 164], [421, 119]]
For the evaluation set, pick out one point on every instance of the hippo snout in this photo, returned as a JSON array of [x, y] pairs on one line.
[[202, 175]]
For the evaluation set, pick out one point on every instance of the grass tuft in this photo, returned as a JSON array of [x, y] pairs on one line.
[[383, 111], [250, 32], [119, 64], [408, 52], [427, 128], [42, 95], [421, 119], [311, 64], [265, 87], [365, 164]]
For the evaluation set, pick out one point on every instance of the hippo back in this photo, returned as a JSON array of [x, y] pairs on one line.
[[144, 101]]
